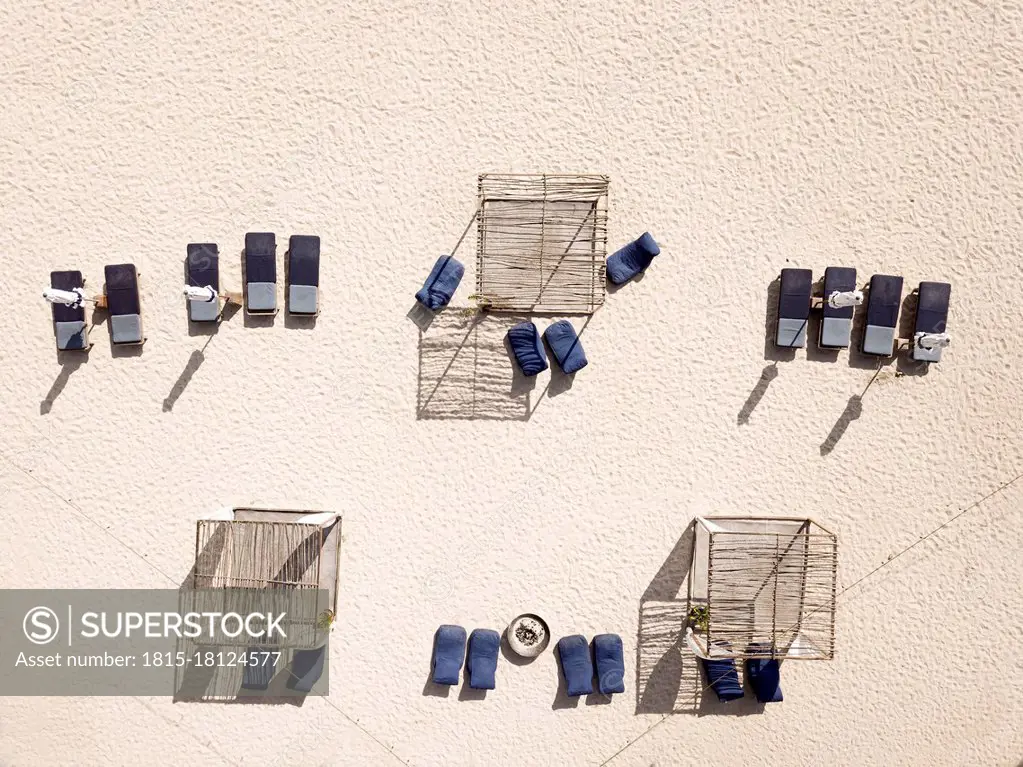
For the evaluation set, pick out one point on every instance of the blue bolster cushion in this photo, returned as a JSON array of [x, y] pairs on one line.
[[527, 347], [306, 668], [566, 346], [610, 661], [634, 258], [448, 654], [576, 664], [765, 679], [483, 647], [259, 668], [723, 678], [441, 284]]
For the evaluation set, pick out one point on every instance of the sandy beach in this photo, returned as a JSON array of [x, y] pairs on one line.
[[746, 137]]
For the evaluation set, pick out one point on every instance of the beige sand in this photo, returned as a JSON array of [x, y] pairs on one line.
[[745, 136]]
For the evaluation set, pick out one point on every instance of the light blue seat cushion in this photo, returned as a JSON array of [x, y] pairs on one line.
[[879, 339], [126, 328], [203, 311], [303, 299], [791, 332], [71, 335], [261, 296], [835, 332], [922, 354]]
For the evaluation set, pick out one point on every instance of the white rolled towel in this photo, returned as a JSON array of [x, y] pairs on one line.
[[840, 299], [933, 340], [73, 298], [207, 294]]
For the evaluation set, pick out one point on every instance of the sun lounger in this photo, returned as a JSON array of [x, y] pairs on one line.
[[441, 284], [610, 661], [793, 308], [69, 326], [448, 654], [836, 322], [882, 315], [122, 289], [764, 677], [259, 667], [203, 271], [931, 320], [527, 346], [306, 668], [722, 676], [634, 258], [260, 273], [483, 648], [576, 665], [304, 275], [566, 346]]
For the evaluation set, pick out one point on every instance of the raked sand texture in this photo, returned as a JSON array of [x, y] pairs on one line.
[[747, 137]]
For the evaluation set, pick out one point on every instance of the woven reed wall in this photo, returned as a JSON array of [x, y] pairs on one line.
[[256, 555], [542, 242], [774, 590]]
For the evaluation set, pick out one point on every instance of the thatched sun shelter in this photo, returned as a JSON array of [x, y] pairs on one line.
[[542, 242], [261, 561], [762, 588], [264, 549]]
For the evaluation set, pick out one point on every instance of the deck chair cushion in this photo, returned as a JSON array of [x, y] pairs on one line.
[[883, 304], [836, 323], [260, 272], [609, 659], [931, 317], [793, 307], [722, 676], [482, 665], [306, 669], [527, 346], [576, 665], [566, 346], [448, 654], [202, 270], [442, 283], [259, 667], [764, 677], [69, 322], [627, 262], [122, 289], [303, 274]]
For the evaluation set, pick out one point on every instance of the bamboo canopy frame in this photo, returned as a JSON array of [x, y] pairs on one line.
[[268, 549], [541, 242], [764, 587]]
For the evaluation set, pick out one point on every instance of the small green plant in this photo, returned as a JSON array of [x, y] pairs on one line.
[[325, 619], [699, 617], [481, 303]]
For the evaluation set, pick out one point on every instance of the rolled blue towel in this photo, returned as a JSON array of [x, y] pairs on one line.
[[723, 678], [566, 346], [441, 284], [259, 668], [629, 261], [306, 668], [483, 647], [448, 654], [576, 664], [527, 347], [764, 677], [610, 661]]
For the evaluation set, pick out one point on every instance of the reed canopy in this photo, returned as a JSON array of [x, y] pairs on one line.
[[541, 242], [762, 587], [268, 549]]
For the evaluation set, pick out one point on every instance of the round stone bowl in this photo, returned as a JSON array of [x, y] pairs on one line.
[[528, 635]]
